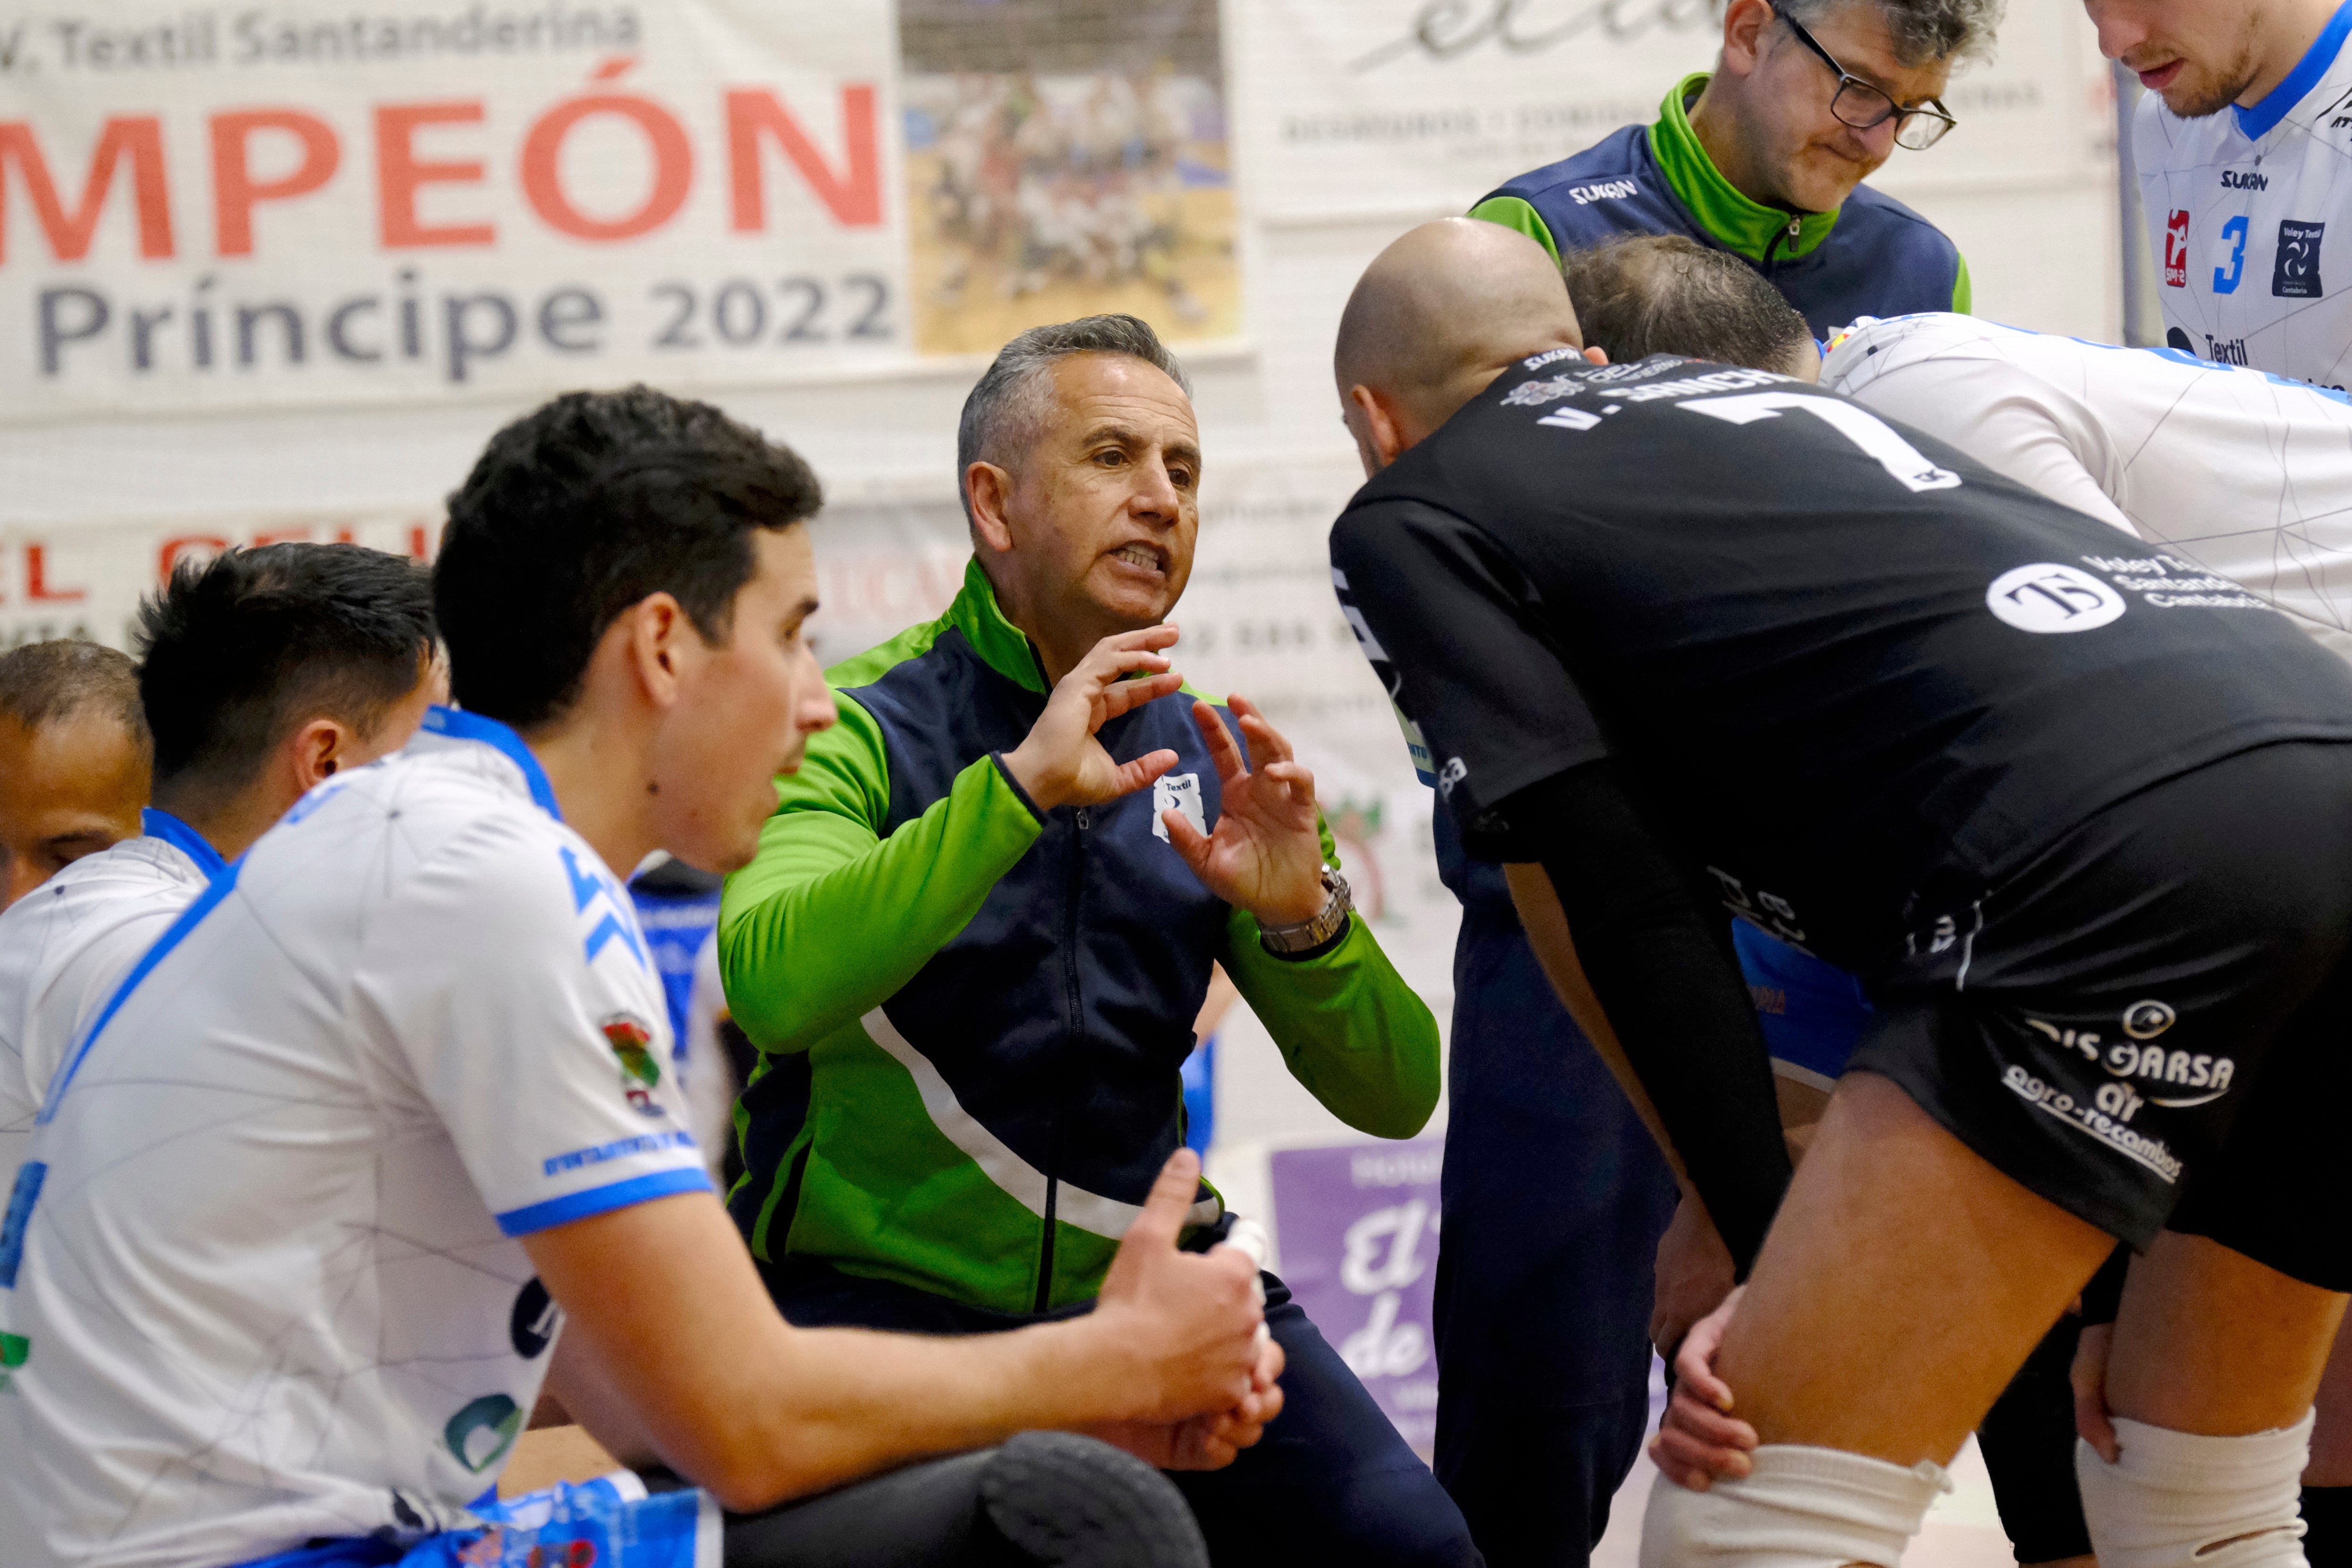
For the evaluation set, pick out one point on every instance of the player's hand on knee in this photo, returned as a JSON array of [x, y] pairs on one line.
[[1698, 1439], [1695, 1275], [1179, 1329], [2089, 1377], [1060, 763]]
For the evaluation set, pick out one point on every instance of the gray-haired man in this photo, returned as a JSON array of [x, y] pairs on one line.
[[983, 920]]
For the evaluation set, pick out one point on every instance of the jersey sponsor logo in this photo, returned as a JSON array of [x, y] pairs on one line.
[[2245, 180], [2225, 351], [2155, 1067], [2096, 1122], [2294, 275], [479, 1435], [619, 1149], [1455, 771], [1536, 394], [2176, 250], [631, 1038], [1177, 793], [532, 1325], [1550, 356], [2050, 598], [2167, 582], [1603, 191]]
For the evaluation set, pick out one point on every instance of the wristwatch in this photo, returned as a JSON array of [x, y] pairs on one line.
[[1286, 941]]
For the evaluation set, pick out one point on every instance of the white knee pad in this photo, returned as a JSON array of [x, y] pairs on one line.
[[1799, 1508], [2178, 1500]]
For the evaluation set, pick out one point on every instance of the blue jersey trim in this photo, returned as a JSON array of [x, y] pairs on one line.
[[162, 824], [603, 1200], [190, 918], [2261, 120], [460, 725]]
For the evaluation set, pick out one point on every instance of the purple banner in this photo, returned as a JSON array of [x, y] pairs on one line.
[[1357, 1228]]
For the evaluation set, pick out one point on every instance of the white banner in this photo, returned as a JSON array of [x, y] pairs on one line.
[[308, 202], [1401, 107]]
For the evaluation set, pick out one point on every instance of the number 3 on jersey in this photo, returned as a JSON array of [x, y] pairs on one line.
[[1904, 462]]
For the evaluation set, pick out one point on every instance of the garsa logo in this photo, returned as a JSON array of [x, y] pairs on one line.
[[2148, 1070], [632, 1039]]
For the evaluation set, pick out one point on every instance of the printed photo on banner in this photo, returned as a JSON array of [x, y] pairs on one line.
[[1066, 157]]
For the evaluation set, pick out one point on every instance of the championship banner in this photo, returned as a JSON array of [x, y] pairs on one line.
[[308, 204], [1398, 108]]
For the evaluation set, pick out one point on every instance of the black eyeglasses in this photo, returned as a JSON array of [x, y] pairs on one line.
[[1863, 107]]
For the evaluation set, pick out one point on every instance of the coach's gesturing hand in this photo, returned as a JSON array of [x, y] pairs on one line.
[[1061, 763], [1263, 854]]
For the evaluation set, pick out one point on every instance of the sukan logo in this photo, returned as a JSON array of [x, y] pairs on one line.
[[2176, 250], [2295, 274], [631, 1039]]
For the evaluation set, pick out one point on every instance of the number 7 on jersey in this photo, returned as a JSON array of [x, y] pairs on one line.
[[1906, 463]]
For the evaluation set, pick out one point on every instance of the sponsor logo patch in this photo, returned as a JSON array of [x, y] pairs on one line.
[[632, 1039], [2176, 250], [2093, 1121], [1179, 793], [2050, 598], [2295, 273]]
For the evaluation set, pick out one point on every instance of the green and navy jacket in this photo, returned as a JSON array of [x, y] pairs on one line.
[[1872, 257], [972, 1014]]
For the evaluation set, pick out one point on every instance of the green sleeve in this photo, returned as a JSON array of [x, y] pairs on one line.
[[830, 919], [1348, 1025], [1964, 294], [1513, 213]]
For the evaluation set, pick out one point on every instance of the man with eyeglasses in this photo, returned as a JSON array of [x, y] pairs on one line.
[[2240, 204], [1555, 1199]]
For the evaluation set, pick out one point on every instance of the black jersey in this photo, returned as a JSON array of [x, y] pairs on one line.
[[1853, 674]]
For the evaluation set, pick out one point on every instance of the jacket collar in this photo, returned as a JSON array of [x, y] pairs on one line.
[[1737, 224], [162, 824], [1001, 645]]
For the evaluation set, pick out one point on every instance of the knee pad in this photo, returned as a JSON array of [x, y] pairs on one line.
[[1798, 1508], [2178, 1500]]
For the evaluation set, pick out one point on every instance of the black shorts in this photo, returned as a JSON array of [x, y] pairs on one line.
[[2151, 1026]]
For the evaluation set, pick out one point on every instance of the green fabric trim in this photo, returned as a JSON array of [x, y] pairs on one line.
[[1004, 646], [1514, 213], [1349, 1029], [1737, 224], [830, 919], [1964, 292]]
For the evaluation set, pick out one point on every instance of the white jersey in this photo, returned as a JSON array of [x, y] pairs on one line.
[[261, 1278], [2250, 220], [65, 946], [2227, 474]]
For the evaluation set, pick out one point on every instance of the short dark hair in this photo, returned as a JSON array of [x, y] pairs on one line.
[[1663, 294], [1002, 415], [584, 507], [1923, 31], [44, 681], [238, 650]]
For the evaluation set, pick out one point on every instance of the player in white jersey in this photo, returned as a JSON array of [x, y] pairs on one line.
[[2227, 477], [264, 671], [73, 758], [2243, 147], [384, 1112]]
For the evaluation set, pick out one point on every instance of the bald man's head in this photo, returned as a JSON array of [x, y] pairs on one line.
[[1438, 315]]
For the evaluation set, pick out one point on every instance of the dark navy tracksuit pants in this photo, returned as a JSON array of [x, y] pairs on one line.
[[1554, 1198], [1332, 1481]]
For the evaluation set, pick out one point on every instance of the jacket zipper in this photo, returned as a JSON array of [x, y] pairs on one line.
[[1077, 1035], [1789, 235]]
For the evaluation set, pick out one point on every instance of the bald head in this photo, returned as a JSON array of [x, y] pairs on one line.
[[1438, 315]]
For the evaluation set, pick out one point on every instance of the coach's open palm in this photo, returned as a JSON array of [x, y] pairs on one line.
[[1060, 763], [1265, 854]]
